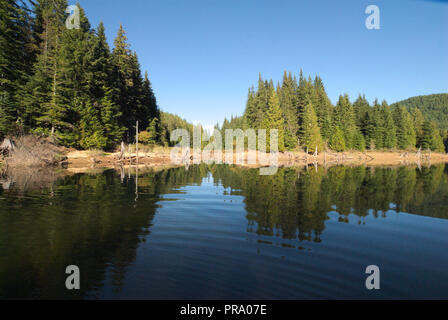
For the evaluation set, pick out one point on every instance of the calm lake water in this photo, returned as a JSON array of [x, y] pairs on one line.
[[213, 232]]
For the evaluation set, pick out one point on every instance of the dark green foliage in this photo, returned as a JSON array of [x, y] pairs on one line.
[[43, 102], [99, 123], [250, 114], [354, 126], [389, 130], [305, 95], [300, 103], [66, 83], [406, 137], [135, 95], [445, 138], [359, 142], [153, 131], [361, 108], [273, 119], [337, 141], [170, 122], [432, 139], [344, 116], [380, 130], [311, 137], [288, 103], [323, 107], [418, 121], [434, 107], [16, 56]]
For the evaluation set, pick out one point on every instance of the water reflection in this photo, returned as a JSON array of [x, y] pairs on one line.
[[89, 220], [49, 220], [294, 203]]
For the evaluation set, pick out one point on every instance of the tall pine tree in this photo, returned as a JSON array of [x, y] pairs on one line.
[[273, 119], [311, 136], [406, 137]]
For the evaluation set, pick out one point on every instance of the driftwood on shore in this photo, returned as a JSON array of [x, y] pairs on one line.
[[6, 147], [327, 158], [8, 144]]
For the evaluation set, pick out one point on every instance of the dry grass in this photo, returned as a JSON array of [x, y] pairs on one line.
[[147, 148], [32, 151], [95, 153]]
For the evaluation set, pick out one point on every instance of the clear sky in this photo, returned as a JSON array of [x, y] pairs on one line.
[[203, 55]]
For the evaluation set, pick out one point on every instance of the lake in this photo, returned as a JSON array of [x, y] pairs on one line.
[[224, 232]]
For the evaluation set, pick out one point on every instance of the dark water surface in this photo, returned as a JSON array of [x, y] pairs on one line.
[[214, 232]]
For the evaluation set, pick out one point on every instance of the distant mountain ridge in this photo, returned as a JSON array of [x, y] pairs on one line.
[[434, 107]]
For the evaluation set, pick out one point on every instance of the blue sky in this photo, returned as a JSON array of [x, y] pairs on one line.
[[203, 55]]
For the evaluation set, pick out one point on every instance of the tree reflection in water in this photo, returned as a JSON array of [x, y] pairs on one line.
[[49, 220]]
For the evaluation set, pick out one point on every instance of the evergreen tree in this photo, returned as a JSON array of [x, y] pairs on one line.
[[71, 90], [361, 126], [154, 130], [389, 132], [376, 127], [125, 63], [153, 113], [310, 137], [324, 108], [99, 125], [345, 118], [431, 138], [406, 137], [16, 56], [149, 102], [434, 107], [274, 120], [419, 121], [359, 142], [65, 83], [361, 107], [261, 101], [305, 92], [41, 99], [136, 95], [250, 113], [336, 141], [445, 140], [288, 103]]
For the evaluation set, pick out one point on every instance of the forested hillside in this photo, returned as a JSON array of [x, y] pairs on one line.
[[305, 117], [433, 107], [68, 83]]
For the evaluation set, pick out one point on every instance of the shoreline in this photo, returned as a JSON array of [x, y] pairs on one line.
[[78, 161]]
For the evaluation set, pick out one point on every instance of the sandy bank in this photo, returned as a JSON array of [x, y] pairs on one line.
[[81, 160]]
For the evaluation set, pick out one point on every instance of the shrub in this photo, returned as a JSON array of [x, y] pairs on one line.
[[147, 137], [32, 151]]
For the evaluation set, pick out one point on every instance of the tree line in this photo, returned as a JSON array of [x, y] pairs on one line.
[[68, 83], [305, 117]]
